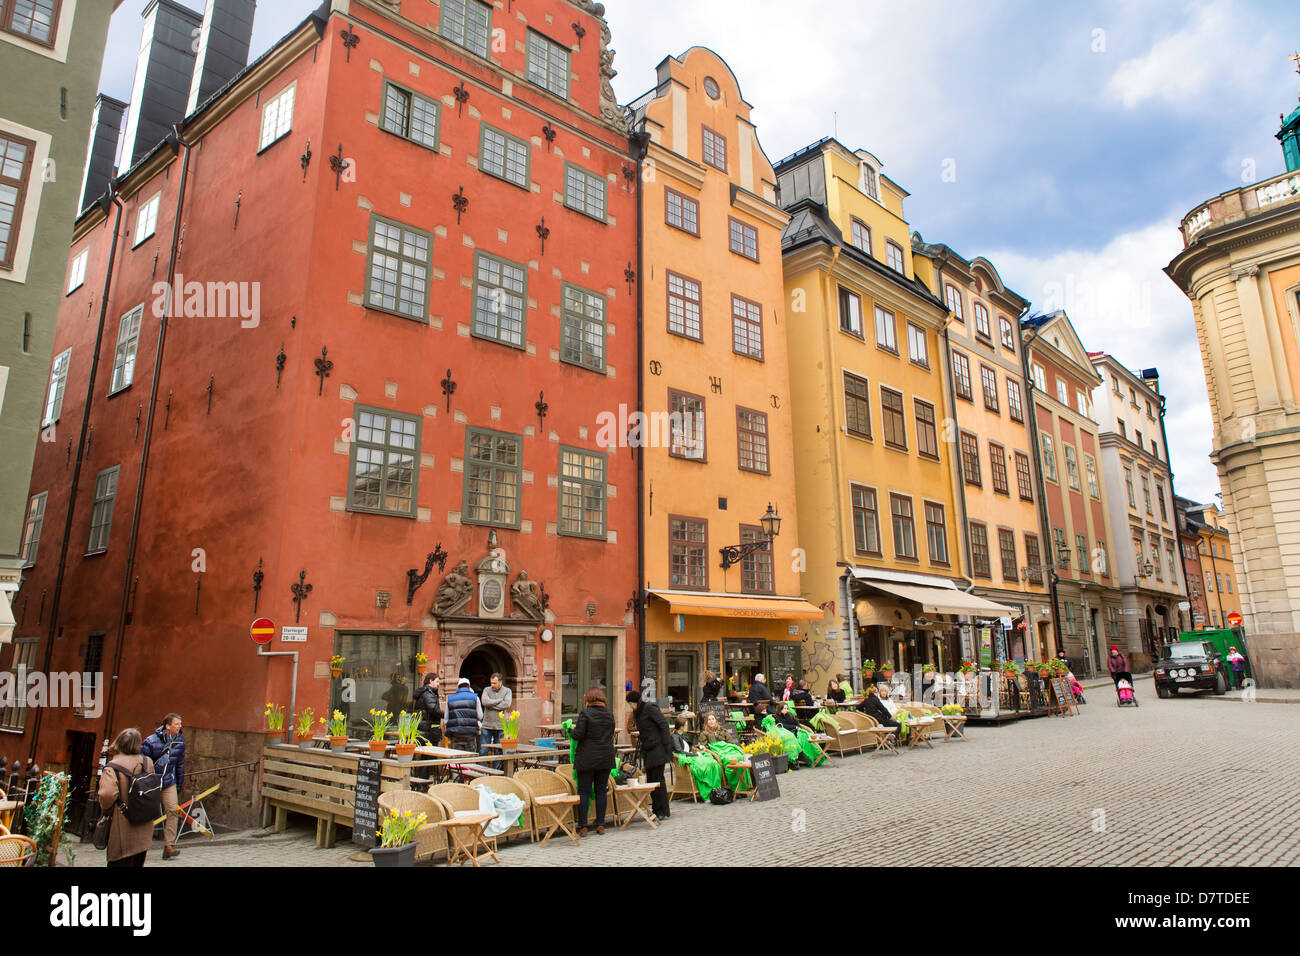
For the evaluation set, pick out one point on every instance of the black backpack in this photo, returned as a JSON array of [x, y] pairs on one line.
[[721, 796], [143, 803]]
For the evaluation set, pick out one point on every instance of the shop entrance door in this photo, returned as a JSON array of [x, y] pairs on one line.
[[742, 659], [680, 681], [586, 665]]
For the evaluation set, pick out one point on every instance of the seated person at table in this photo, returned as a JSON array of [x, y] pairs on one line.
[[713, 732], [785, 719], [760, 711], [845, 685], [834, 692], [801, 696], [758, 692], [874, 707]]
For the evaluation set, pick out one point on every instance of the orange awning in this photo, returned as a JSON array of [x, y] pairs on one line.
[[724, 605]]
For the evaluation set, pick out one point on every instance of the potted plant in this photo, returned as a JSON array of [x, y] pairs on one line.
[[378, 729], [928, 671], [336, 665], [509, 729], [775, 746], [408, 736], [1010, 669], [1060, 667], [274, 723], [967, 668], [886, 670], [397, 839], [868, 669], [421, 662], [337, 728], [304, 723]]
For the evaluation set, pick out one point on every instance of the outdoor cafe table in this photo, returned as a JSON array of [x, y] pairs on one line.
[[558, 810], [466, 832], [953, 724]]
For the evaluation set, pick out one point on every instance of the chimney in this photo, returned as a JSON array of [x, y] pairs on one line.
[[223, 45], [101, 152], [1151, 378], [162, 76]]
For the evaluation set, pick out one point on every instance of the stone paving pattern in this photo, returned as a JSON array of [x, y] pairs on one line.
[[1180, 782]]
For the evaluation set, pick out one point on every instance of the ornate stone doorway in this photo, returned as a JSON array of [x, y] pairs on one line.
[[484, 661]]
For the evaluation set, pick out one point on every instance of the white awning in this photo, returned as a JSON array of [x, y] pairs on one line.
[[936, 596]]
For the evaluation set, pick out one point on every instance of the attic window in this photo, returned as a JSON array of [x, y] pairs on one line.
[[869, 181], [711, 88]]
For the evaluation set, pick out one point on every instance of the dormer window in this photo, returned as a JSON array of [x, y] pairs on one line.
[[868, 181]]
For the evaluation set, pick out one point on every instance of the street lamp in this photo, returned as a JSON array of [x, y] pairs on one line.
[[735, 553], [1063, 555]]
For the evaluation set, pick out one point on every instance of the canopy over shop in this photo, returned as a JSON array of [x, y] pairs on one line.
[[913, 619], [734, 636]]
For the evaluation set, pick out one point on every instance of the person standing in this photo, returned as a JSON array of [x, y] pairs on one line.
[[166, 748], [593, 758], [712, 687], [464, 717], [1237, 664], [656, 747], [1117, 663], [497, 699], [426, 702], [127, 842]]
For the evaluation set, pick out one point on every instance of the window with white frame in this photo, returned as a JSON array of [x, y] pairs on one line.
[[982, 321], [886, 330], [746, 327], [32, 529], [101, 510], [146, 220], [77, 271], [13, 715], [1040, 378], [917, 349], [953, 297], [128, 340], [684, 306], [1008, 333], [277, 117], [850, 312], [1062, 392], [686, 425], [1049, 458], [54, 396], [894, 256], [861, 236]]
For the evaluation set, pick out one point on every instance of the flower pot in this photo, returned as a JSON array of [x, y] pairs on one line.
[[867, 675], [509, 743], [780, 764], [338, 744], [887, 673], [405, 752], [275, 736], [403, 855], [305, 743], [927, 675], [336, 672], [378, 747], [421, 668], [1044, 673]]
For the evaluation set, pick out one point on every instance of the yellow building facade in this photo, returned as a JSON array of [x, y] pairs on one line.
[[992, 459], [718, 448], [1222, 593], [877, 509]]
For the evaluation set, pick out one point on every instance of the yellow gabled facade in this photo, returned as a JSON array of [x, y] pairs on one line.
[[714, 341], [875, 485]]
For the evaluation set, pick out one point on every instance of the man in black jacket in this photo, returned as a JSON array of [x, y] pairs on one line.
[[758, 690], [656, 747]]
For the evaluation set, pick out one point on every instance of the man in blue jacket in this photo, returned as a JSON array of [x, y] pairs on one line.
[[166, 747], [464, 717]]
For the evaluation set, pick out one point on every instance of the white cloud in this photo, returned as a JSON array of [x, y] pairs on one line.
[[1205, 56], [1122, 303]]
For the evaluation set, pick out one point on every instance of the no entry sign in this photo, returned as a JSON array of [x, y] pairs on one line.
[[262, 630], [1234, 619]]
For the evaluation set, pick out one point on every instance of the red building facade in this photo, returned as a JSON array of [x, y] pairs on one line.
[[404, 244]]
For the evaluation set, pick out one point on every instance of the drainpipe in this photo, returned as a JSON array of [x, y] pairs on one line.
[[1173, 505], [640, 144], [112, 198], [178, 143], [1044, 526]]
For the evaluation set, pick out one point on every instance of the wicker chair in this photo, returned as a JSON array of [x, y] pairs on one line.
[[683, 784], [17, 851], [546, 783], [526, 825], [455, 796], [849, 738], [430, 839]]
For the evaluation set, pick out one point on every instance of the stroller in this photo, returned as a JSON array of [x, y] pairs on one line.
[[1124, 688]]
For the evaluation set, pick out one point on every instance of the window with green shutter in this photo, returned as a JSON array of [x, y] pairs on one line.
[[493, 473], [385, 462]]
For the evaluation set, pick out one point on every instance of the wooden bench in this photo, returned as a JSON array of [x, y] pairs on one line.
[[317, 783]]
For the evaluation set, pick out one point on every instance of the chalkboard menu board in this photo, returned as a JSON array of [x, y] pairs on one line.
[[764, 779], [650, 661], [713, 659], [365, 805], [783, 657], [1064, 694]]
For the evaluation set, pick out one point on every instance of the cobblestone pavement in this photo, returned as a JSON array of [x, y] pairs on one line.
[[1181, 782]]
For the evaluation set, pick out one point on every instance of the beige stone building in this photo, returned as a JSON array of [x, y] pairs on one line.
[[1240, 266]]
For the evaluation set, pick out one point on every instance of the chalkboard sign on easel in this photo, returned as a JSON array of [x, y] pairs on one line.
[[365, 805], [764, 777], [1064, 695]]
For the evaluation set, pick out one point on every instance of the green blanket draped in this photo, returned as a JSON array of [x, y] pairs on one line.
[[704, 770], [795, 743], [730, 752]]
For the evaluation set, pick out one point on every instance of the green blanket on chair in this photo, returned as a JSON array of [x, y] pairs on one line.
[[704, 770]]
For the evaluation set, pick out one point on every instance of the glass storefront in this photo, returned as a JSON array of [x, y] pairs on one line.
[[381, 668], [587, 662]]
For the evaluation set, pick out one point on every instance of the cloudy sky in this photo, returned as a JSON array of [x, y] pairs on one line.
[[1075, 137]]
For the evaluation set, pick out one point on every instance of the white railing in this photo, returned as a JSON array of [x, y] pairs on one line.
[[1195, 223], [1278, 191]]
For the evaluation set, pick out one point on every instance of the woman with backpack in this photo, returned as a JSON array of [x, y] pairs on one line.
[[127, 842]]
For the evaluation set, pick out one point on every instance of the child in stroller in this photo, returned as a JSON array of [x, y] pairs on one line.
[[1124, 688]]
